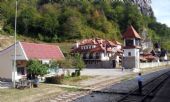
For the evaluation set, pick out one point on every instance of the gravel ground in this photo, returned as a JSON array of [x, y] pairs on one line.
[[124, 87], [5, 84], [99, 97]]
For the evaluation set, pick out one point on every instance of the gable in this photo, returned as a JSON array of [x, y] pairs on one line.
[[10, 52]]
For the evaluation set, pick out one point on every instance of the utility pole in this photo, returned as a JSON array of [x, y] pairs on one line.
[[14, 64]]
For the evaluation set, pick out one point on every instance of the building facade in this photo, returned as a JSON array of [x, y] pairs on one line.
[[131, 54], [25, 52], [99, 53]]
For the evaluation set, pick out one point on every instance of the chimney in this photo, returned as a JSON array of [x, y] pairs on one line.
[[77, 44]]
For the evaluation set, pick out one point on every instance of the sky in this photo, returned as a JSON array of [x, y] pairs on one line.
[[161, 10]]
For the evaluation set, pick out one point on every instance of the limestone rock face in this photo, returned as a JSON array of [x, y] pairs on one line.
[[144, 6]]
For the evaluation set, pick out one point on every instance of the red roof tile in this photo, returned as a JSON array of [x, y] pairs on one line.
[[42, 51], [97, 49], [116, 42], [148, 57], [131, 33], [100, 45]]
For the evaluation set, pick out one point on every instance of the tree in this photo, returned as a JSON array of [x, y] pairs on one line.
[[78, 62], [66, 63], [29, 22], [71, 21], [36, 68], [72, 28]]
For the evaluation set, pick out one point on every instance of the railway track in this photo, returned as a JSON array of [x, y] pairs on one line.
[[148, 90], [69, 97]]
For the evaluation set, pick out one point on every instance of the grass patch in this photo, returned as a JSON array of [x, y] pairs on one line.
[[71, 89], [28, 95], [125, 78], [65, 47], [75, 80]]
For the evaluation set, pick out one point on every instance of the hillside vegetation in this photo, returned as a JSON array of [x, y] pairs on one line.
[[68, 20]]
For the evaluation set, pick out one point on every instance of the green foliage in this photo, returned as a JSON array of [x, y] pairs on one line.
[[7, 9], [68, 20], [66, 63], [36, 68], [78, 62], [54, 64]]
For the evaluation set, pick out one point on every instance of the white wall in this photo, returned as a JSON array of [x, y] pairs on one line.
[[104, 57], [45, 61], [153, 64], [6, 61], [133, 52]]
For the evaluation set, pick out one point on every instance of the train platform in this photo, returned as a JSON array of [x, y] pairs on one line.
[[163, 95]]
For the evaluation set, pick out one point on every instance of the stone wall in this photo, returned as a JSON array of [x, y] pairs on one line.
[[100, 64], [128, 62]]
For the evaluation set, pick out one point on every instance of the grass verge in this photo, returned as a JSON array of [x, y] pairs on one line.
[[31, 94], [75, 80]]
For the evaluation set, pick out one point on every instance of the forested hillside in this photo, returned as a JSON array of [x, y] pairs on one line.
[[67, 20]]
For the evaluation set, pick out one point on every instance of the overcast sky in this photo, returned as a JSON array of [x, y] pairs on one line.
[[161, 10]]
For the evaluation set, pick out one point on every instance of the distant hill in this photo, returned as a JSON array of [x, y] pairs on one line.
[[69, 20]]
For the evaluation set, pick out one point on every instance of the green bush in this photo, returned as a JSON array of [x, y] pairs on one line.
[[58, 79], [77, 72], [35, 67], [73, 74]]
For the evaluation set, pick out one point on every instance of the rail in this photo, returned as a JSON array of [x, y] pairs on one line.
[[148, 89]]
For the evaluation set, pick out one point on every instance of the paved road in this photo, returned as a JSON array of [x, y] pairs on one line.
[[104, 72]]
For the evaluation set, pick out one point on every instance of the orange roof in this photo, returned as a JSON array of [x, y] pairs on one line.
[[131, 33]]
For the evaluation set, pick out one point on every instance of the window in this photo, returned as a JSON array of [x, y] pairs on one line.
[[84, 55], [129, 42], [86, 47], [97, 55], [91, 56], [129, 53], [89, 47], [21, 71]]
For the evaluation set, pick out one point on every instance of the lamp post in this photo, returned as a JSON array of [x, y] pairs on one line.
[[14, 64]]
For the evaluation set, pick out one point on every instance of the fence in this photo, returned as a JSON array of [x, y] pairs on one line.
[[154, 64]]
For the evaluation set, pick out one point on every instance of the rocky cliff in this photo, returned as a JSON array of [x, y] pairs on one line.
[[144, 6]]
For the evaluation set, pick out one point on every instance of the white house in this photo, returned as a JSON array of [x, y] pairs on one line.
[[99, 53], [24, 52]]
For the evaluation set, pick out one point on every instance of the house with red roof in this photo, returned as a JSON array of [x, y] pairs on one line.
[[99, 53], [26, 51]]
